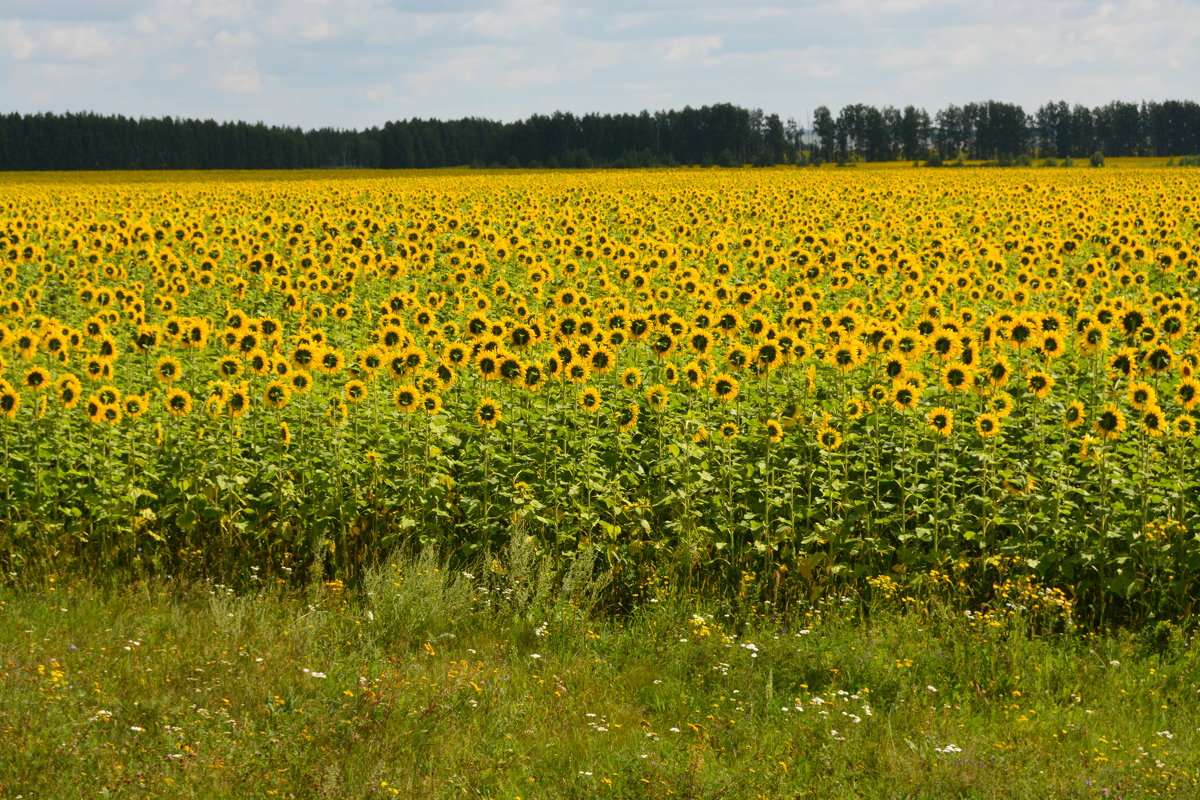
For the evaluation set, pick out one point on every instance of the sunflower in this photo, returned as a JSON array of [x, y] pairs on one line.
[[36, 379], [95, 409], [133, 405], [1123, 363], [97, 369], [277, 394], [1001, 404], [1051, 346], [998, 372], [487, 413], [828, 438], [10, 401], [1039, 383], [657, 396], [238, 400], [285, 434], [431, 403], [510, 368], [168, 370], [627, 417], [178, 403], [955, 377], [406, 399], [229, 367], [589, 399], [331, 361], [355, 391], [578, 372], [1184, 426], [1110, 422], [1153, 421], [694, 374], [1142, 395], [1159, 360], [301, 381], [856, 407], [69, 390], [1188, 393], [737, 357], [988, 425], [774, 431], [941, 420], [488, 365], [1094, 339], [729, 430], [1074, 415], [304, 355], [903, 397], [724, 387], [534, 377]]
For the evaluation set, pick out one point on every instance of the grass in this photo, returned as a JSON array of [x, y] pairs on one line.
[[507, 682]]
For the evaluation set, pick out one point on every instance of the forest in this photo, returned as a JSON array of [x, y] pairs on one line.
[[722, 134]]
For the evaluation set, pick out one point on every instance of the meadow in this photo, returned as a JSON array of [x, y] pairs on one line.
[[946, 410]]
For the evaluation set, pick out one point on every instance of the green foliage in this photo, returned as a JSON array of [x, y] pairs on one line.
[[177, 690]]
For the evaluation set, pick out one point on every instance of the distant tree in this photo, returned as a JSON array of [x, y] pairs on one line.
[[826, 132]]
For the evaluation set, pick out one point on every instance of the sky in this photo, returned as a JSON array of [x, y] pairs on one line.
[[359, 63]]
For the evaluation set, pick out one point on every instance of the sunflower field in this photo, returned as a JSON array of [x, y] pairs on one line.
[[772, 382]]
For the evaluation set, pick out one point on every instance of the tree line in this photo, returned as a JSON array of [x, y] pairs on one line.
[[721, 134]]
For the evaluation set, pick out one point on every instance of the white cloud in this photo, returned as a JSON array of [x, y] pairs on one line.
[[357, 63], [14, 41], [685, 49], [242, 77]]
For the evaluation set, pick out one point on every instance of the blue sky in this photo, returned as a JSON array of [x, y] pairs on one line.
[[357, 63]]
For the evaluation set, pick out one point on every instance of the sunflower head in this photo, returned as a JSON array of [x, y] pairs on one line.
[[487, 413], [589, 399], [657, 396], [988, 425], [941, 420], [1110, 422], [627, 417], [724, 387], [828, 438], [406, 399], [1074, 415]]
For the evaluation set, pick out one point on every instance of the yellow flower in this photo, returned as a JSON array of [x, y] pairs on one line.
[[487, 413], [406, 399], [941, 420], [724, 387], [988, 425], [589, 399]]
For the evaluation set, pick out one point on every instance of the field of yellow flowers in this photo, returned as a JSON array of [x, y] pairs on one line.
[[774, 381]]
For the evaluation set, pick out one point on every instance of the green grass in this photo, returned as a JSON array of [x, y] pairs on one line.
[[509, 683]]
